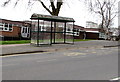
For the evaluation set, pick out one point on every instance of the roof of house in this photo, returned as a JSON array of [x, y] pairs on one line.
[[79, 27], [52, 18], [86, 29], [91, 29], [14, 22]]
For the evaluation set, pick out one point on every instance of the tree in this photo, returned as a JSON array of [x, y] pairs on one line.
[[55, 9], [106, 10]]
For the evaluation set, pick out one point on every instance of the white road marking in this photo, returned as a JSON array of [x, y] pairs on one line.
[[79, 56], [94, 52], [115, 79], [47, 60], [74, 54], [105, 48]]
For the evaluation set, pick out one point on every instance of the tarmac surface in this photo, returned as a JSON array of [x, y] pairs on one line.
[[77, 63], [28, 48]]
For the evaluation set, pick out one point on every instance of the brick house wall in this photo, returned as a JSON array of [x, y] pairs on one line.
[[81, 35], [16, 28], [90, 35], [15, 33]]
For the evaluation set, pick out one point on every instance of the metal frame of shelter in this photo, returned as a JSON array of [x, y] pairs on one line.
[[48, 30]]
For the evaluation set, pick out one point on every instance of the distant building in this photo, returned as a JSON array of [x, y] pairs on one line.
[[13, 30], [87, 33], [90, 24]]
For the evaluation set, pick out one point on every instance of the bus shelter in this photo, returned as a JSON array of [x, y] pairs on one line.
[[48, 30]]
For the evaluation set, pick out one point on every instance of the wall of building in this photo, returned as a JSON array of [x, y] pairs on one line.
[[90, 35], [87, 35], [81, 36], [15, 33]]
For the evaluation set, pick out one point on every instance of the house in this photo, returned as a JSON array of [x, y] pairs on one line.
[[16, 30], [80, 32], [11, 30], [87, 33], [92, 33]]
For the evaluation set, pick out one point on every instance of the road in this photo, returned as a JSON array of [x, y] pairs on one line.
[[72, 64]]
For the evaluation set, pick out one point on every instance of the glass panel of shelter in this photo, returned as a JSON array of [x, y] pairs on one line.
[[44, 32], [50, 32], [34, 32], [58, 32], [69, 32]]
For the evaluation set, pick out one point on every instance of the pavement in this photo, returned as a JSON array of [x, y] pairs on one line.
[[28, 48]]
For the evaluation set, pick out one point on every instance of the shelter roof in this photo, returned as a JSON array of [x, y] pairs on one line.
[[52, 18]]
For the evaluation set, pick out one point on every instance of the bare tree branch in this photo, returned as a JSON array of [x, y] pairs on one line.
[[59, 4], [55, 10], [16, 2], [106, 10], [5, 3], [45, 6]]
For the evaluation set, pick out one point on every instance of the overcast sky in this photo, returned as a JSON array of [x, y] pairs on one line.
[[73, 9]]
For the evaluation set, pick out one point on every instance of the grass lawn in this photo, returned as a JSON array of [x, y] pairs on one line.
[[15, 42], [77, 40], [28, 41]]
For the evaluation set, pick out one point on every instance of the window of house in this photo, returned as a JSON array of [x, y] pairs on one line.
[[6, 27], [68, 29], [10, 27], [36, 27], [23, 30], [76, 31], [26, 30], [43, 28], [1, 26]]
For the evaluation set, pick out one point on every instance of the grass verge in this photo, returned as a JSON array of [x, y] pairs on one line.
[[15, 42], [77, 40], [28, 41]]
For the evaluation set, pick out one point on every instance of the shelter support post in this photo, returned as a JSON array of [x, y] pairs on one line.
[[65, 33], [38, 34]]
